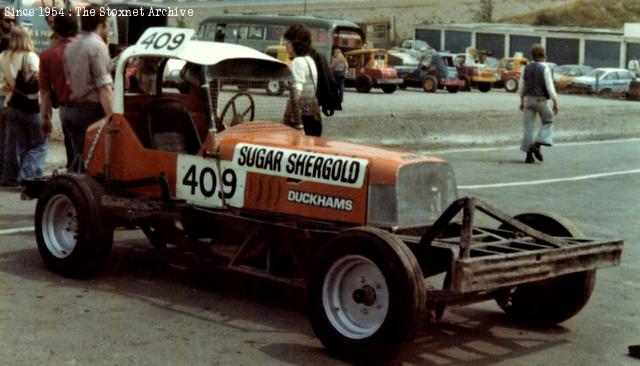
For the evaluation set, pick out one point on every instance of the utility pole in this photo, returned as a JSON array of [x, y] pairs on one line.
[[304, 11]]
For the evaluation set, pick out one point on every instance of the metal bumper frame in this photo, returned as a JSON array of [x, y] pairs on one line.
[[489, 259]]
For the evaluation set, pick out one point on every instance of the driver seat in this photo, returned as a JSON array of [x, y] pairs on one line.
[[168, 126]]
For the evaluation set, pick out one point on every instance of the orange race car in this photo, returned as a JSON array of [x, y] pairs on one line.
[[364, 230]]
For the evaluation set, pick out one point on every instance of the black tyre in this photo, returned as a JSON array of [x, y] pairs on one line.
[[555, 300], [484, 87], [452, 89], [388, 89], [511, 85], [429, 84], [366, 295], [73, 230], [363, 84], [403, 86]]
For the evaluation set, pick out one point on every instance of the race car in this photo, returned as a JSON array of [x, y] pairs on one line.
[[364, 230]]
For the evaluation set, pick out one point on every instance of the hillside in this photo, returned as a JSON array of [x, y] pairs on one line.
[[583, 13]]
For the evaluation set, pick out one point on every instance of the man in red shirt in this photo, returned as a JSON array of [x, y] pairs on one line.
[[53, 84]]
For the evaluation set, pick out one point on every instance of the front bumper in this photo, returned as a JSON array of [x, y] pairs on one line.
[[389, 81], [449, 82], [490, 259]]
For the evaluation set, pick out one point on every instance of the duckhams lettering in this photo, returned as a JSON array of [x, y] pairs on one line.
[[319, 200]]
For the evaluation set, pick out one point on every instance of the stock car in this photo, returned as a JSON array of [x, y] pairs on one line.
[[365, 231]]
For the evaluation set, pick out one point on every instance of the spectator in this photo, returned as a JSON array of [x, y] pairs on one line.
[[305, 75], [53, 84], [339, 67], [634, 66], [8, 158], [88, 74], [535, 89], [20, 67]]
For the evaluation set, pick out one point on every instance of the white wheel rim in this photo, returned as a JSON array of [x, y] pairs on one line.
[[273, 86], [355, 297], [60, 226], [511, 84]]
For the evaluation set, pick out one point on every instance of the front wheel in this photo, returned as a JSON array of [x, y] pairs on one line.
[[551, 301], [484, 87], [366, 295], [73, 230], [452, 89], [388, 89]]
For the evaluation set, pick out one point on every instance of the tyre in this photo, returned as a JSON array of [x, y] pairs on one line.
[[429, 84], [452, 89], [388, 89], [366, 295], [484, 87], [403, 86], [606, 93], [274, 87], [554, 300], [364, 84], [511, 85], [73, 230]]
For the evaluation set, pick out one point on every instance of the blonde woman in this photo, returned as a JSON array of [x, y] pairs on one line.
[[20, 66]]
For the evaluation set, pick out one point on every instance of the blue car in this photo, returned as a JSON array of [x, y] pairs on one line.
[[604, 82]]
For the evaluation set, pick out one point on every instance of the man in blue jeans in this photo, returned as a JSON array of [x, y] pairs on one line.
[[535, 89]]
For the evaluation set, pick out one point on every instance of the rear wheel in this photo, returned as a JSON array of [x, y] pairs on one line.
[[484, 87], [73, 230], [364, 84], [388, 89], [366, 295], [554, 300], [511, 85], [452, 89], [429, 84]]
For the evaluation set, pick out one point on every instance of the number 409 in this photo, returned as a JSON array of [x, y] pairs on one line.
[[206, 182]]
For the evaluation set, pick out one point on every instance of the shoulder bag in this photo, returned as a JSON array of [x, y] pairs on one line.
[[24, 96], [309, 106]]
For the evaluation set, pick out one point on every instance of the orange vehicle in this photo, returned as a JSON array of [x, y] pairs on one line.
[[509, 69], [367, 232], [474, 71], [369, 68]]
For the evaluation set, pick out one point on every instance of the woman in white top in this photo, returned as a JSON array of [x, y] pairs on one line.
[[305, 73], [25, 133]]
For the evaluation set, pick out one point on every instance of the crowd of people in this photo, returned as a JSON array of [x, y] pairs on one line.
[[73, 74]]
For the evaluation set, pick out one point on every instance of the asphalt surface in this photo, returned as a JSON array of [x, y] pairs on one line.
[[156, 308]]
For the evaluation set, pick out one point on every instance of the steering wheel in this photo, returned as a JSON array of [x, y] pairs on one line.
[[237, 117]]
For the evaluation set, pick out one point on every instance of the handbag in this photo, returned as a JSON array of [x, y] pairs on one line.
[[309, 106], [25, 92]]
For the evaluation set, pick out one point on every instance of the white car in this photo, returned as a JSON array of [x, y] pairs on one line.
[[604, 81]]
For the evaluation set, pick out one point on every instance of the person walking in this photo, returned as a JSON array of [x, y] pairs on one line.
[[535, 89], [53, 83], [9, 178], [339, 67], [87, 68], [305, 77], [20, 66]]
